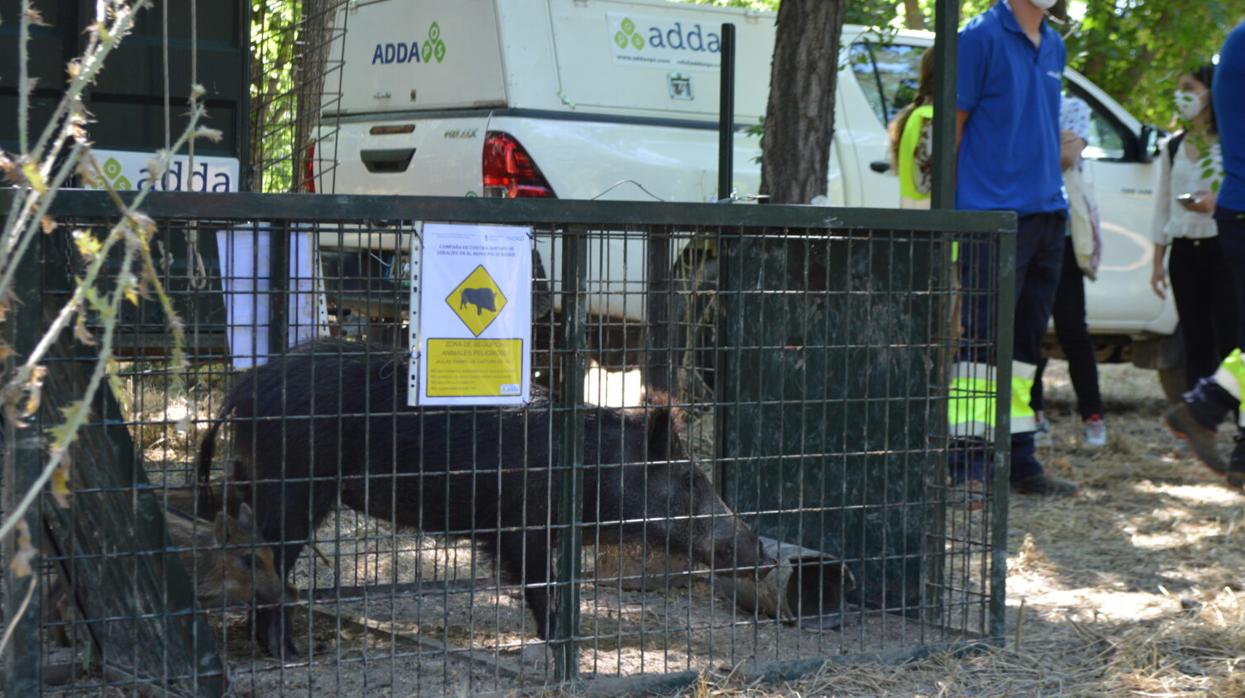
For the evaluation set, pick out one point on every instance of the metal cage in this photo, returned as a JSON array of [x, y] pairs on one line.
[[736, 454]]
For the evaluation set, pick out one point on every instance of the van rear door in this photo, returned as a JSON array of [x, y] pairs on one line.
[[432, 54], [408, 110]]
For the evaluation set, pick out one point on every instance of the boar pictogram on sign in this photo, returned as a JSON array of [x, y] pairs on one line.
[[477, 300]]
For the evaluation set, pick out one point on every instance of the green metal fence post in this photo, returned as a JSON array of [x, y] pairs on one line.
[[946, 24], [946, 21], [570, 476], [278, 287], [1004, 319]]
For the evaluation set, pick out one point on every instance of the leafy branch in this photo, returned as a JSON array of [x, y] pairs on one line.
[[39, 173]]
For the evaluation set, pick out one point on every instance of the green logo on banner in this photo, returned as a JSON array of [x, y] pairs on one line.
[[628, 35], [112, 173]]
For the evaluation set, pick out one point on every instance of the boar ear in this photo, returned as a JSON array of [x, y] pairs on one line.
[[246, 519]]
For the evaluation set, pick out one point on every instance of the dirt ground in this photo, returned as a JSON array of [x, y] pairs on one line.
[[1132, 589]]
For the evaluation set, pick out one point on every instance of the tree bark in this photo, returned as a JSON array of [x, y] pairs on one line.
[[315, 33], [799, 118], [912, 17]]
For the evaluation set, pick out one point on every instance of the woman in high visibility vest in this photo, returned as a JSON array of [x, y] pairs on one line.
[[912, 141]]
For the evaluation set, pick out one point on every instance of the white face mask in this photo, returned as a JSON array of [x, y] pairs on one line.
[[1043, 4], [1189, 104]]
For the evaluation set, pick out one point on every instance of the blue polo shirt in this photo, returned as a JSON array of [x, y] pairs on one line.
[[1009, 153], [1229, 99]]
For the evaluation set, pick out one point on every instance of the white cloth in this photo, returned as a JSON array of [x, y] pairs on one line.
[[1172, 220], [245, 253], [1074, 116]]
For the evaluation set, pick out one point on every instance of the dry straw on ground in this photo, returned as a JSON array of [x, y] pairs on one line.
[[1133, 589]]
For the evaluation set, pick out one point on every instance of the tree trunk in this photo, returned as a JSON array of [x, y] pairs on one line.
[[912, 17], [315, 33], [799, 119]]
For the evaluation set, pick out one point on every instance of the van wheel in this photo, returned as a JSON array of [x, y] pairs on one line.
[[1172, 380]]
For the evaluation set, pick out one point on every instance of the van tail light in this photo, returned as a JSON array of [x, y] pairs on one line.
[[509, 172], [309, 170]]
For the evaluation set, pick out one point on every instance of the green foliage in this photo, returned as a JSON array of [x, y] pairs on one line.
[[770, 5], [875, 13], [274, 106], [868, 13], [1136, 49]]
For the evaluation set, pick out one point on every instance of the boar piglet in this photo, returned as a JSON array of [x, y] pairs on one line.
[[232, 564]]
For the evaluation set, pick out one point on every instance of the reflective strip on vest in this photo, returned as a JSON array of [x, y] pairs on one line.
[[970, 405], [1231, 375], [1024, 418]]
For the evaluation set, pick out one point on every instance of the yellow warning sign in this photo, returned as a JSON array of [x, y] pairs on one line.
[[477, 301], [475, 367], [471, 315]]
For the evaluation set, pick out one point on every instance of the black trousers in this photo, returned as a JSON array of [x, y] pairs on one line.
[[1073, 336], [1209, 402], [1206, 302], [1038, 261]]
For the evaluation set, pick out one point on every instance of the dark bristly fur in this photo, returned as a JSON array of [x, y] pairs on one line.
[[330, 420]]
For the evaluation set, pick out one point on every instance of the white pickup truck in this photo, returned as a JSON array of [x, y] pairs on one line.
[[618, 99]]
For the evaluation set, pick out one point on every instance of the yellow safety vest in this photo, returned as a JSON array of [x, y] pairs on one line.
[[908, 142]]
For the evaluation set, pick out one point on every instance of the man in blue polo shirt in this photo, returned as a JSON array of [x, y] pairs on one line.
[[1010, 78], [1203, 408]]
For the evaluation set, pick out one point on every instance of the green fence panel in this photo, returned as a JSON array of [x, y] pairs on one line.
[[826, 351]]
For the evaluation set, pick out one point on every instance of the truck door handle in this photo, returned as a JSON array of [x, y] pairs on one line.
[[879, 166], [387, 160]]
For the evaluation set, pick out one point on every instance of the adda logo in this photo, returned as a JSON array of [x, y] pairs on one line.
[[657, 33], [433, 48], [628, 36]]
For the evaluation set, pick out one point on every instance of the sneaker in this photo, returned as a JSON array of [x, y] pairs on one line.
[[1095, 431], [1045, 485], [1041, 432], [1182, 425]]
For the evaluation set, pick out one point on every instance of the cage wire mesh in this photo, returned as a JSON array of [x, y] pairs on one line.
[[748, 414], [295, 76]]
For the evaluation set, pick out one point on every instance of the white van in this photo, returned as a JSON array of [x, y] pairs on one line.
[[618, 99]]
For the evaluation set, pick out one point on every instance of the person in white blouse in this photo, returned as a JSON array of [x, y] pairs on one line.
[[1190, 168]]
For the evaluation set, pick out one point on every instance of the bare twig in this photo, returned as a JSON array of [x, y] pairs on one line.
[[137, 227], [21, 611], [102, 39], [23, 76], [40, 171]]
